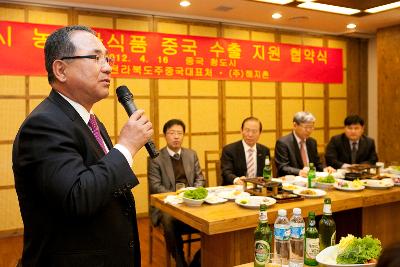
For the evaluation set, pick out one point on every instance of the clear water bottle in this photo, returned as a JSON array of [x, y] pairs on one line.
[[297, 230], [282, 236]]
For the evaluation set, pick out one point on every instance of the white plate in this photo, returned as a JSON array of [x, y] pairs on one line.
[[318, 192], [253, 202], [213, 199], [396, 181], [232, 194], [290, 187], [349, 188], [328, 258], [378, 184], [323, 185]]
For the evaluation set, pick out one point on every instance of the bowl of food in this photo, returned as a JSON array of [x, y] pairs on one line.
[[195, 197], [325, 182], [351, 251]]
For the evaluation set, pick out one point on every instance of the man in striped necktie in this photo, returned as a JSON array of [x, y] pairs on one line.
[[244, 158]]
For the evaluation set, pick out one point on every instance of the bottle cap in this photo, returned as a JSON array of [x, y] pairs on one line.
[[297, 211], [282, 212], [311, 214]]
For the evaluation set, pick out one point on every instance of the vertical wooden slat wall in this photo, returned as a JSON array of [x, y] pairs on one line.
[[212, 110]]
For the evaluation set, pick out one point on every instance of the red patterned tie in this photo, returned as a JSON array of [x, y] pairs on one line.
[[250, 164], [96, 132], [303, 153]]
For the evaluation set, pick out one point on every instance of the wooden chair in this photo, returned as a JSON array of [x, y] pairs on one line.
[[212, 168], [157, 232]]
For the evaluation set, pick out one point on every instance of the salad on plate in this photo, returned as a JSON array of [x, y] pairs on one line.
[[352, 251]]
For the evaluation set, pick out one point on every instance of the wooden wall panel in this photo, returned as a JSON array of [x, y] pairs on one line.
[[227, 103], [12, 85], [388, 54]]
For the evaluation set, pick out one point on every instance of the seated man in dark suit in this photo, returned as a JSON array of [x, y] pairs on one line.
[[295, 151], [245, 157], [174, 165], [352, 146]]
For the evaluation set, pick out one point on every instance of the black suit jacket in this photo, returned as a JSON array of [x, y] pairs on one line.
[[338, 151], [288, 158], [233, 161], [76, 203]]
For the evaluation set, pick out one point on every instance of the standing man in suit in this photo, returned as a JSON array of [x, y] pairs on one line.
[[245, 157], [293, 152], [352, 146], [73, 186], [174, 165]]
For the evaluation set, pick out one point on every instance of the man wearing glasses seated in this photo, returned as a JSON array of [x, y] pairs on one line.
[[245, 157], [294, 152], [352, 146], [174, 166]]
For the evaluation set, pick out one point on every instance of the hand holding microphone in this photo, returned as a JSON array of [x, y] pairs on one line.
[[138, 123]]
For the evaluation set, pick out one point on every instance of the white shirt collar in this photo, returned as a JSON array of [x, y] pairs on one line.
[[246, 146], [85, 115], [297, 138], [172, 153]]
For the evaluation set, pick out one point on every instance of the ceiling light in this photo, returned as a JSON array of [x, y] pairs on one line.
[[351, 26], [276, 15], [279, 2], [329, 8], [383, 8], [184, 3]]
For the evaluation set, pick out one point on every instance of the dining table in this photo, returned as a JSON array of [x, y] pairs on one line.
[[227, 229]]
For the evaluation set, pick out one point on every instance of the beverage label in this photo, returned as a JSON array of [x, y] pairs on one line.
[[263, 216], [261, 252], [282, 233], [312, 248], [297, 231], [327, 209]]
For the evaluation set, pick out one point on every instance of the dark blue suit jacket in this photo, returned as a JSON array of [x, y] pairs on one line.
[[76, 203], [338, 151], [288, 158], [233, 161]]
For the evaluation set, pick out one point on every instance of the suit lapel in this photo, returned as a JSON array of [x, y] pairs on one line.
[[260, 159], [347, 148], [242, 157], [186, 166], [76, 118], [168, 166], [295, 148]]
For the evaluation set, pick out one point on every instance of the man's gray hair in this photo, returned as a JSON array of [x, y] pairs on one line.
[[303, 117], [59, 45]]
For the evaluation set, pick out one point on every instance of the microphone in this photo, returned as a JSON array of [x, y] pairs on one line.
[[126, 99]]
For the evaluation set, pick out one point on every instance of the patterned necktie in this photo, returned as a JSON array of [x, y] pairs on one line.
[[96, 132], [250, 164], [303, 153], [353, 152], [176, 156]]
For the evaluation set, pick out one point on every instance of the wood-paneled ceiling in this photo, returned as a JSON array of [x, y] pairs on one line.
[[251, 12]]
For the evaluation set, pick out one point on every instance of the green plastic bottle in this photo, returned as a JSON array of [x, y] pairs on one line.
[[311, 247], [311, 174], [267, 170], [262, 239], [327, 227]]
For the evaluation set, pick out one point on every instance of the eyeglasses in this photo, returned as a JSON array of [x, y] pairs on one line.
[[175, 133], [307, 127], [101, 60]]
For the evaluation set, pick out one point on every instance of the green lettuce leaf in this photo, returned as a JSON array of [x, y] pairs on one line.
[[198, 193], [361, 250]]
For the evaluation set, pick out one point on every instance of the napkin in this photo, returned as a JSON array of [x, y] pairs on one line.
[[173, 200]]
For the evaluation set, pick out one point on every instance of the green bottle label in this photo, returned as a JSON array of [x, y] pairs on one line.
[[312, 248], [261, 252]]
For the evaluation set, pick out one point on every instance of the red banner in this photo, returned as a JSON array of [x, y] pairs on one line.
[[157, 55]]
